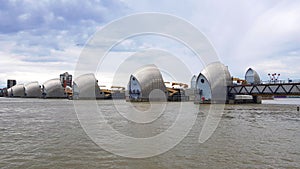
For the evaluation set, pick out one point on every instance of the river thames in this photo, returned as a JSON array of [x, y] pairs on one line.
[[39, 133]]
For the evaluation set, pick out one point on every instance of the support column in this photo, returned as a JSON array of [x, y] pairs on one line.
[[257, 99]]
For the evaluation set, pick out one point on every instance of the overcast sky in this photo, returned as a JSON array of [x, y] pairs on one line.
[[41, 39]]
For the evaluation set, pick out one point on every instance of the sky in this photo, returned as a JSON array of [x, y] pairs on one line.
[[41, 39]]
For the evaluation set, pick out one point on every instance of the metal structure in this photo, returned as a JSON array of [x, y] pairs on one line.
[[212, 83], [53, 89], [194, 82], [176, 91], [9, 92], [66, 79], [33, 90], [256, 88], [18, 91], [11, 83], [238, 81], [86, 87], [265, 89], [147, 84], [274, 78], [117, 92], [177, 94], [252, 77]]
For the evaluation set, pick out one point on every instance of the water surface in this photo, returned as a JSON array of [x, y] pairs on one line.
[[37, 133]]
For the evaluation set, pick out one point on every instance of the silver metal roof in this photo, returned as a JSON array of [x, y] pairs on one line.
[[18, 90], [33, 89], [53, 89], [218, 76], [252, 76], [193, 82], [9, 92], [149, 78], [218, 73], [86, 87]]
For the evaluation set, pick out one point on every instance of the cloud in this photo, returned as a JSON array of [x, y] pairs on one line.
[[277, 30], [40, 39], [38, 35], [118, 66], [271, 42], [20, 15], [286, 65], [18, 67], [222, 22]]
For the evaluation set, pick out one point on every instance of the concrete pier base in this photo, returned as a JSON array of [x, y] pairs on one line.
[[257, 99]]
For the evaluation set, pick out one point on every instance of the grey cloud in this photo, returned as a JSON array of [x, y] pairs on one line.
[[22, 15], [36, 28]]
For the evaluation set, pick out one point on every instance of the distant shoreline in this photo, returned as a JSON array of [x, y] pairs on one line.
[[290, 101]]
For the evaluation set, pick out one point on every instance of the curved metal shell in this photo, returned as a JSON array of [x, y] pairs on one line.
[[53, 89], [193, 82], [148, 78], [204, 89], [9, 92], [252, 76], [86, 87], [212, 83], [33, 89], [214, 71], [18, 90]]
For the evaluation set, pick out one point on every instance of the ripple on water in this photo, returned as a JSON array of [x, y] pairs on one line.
[[46, 134]]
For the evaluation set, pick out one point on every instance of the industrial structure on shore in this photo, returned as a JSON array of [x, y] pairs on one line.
[[147, 84], [213, 85]]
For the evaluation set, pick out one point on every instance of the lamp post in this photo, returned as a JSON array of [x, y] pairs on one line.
[[274, 77]]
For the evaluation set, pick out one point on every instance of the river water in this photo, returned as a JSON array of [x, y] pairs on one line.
[[37, 133]]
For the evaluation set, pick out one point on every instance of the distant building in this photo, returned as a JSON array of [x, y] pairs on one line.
[[193, 82], [9, 92], [66, 79], [252, 76], [1, 92], [11, 83]]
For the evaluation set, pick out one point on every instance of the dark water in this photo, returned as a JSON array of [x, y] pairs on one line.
[[36, 133]]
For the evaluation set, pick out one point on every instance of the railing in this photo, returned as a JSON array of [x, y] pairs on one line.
[[266, 89], [280, 81]]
